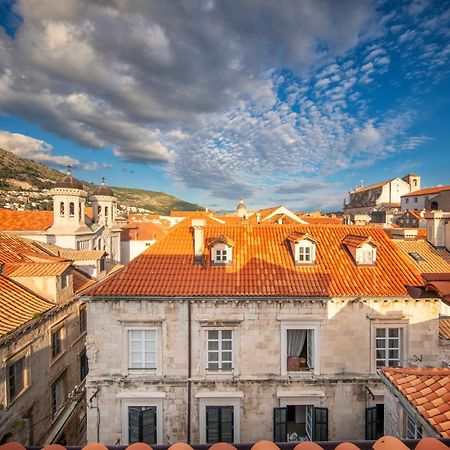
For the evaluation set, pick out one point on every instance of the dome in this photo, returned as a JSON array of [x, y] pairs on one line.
[[241, 209], [69, 182], [103, 190]]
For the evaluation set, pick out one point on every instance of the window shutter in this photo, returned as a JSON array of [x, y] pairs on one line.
[[134, 413], [226, 422], [279, 424], [310, 422], [320, 429], [371, 423], [310, 349], [149, 425], [212, 424]]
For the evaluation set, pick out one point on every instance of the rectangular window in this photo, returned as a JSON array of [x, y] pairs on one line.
[[102, 264], [406, 200], [16, 378], [82, 317], [221, 255], [219, 424], [304, 254], [58, 394], [220, 350], [413, 429], [57, 342], [299, 350], [415, 199], [388, 347], [142, 349], [84, 366], [142, 424]]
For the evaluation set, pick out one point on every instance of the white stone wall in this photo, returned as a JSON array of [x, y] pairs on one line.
[[346, 344]]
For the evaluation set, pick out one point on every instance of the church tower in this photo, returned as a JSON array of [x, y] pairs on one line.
[[104, 205], [69, 198]]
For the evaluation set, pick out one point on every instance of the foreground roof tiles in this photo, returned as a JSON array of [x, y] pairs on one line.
[[18, 305], [33, 269], [262, 265], [428, 390]]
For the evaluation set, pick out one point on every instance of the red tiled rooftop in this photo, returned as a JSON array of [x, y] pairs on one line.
[[143, 231], [419, 387], [263, 265], [425, 191], [25, 220]]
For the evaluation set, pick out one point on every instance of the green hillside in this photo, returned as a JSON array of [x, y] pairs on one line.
[[27, 175]]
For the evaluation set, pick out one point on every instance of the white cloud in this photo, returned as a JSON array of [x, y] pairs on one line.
[[30, 148]]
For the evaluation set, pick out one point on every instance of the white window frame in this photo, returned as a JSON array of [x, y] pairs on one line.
[[142, 398], [233, 398], [413, 429], [403, 326], [219, 350], [306, 243], [221, 247], [300, 325], [126, 352]]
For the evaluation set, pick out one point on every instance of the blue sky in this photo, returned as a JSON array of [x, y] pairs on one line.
[[291, 102]]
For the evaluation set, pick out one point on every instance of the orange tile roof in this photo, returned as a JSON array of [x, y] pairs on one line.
[[297, 236], [444, 329], [222, 239], [428, 390], [143, 231], [353, 240], [262, 265], [439, 283], [25, 220], [33, 269], [425, 191], [18, 305], [81, 281], [322, 220], [185, 213], [435, 260]]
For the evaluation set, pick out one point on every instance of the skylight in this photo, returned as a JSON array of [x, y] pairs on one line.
[[418, 257]]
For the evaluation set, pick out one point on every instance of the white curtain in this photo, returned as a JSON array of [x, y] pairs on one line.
[[295, 342]]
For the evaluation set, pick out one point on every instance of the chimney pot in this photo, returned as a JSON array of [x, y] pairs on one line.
[[199, 239]]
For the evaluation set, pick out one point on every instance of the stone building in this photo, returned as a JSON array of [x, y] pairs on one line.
[[42, 348], [432, 199], [245, 332], [69, 226], [380, 200]]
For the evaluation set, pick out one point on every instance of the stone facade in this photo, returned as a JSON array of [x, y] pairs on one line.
[[29, 416], [343, 349]]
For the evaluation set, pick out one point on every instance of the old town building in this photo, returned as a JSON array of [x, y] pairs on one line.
[[244, 332]]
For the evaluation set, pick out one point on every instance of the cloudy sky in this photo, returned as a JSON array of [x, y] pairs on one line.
[[292, 102]]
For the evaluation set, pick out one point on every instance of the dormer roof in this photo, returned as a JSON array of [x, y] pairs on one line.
[[298, 236], [222, 239], [357, 241]]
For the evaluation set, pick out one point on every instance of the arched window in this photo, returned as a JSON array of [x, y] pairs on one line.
[[61, 209], [72, 209], [434, 206], [99, 210], [79, 211], [106, 211]]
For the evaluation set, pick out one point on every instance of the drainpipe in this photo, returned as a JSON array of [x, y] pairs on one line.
[[189, 383]]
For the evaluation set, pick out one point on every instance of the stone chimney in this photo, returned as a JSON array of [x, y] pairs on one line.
[[438, 228], [199, 239]]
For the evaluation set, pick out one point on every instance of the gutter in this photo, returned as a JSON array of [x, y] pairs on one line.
[[189, 381], [405, 403]]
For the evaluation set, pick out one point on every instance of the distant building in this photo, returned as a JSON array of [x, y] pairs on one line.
[[436, 198], [69, 226], [383, 196], [411, 219]]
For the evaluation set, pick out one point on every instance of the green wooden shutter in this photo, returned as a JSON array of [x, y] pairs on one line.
[[134, 419], [212, 424], [320, 429], [371, 423], [280, 424], [148, 427]]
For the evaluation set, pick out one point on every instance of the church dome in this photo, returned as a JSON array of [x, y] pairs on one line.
[[103, 190], [241, 209], [69, 182]]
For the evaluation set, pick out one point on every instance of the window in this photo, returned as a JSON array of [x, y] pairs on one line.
[[61, 209], [142, 349], [220, 350], [300, 348], [413, 429], [388, 348], [415, 199], [57, 342], [406, 200], [219, 424], [99, 210], [434, 206], [64, 280], [142, 424], [300, 423], [374, 428], [72, 209], [417, 256], [84, 365], [82, 318], [102, 264], [58, 394], [221, 255], [305, 252], [16, 378], [79, 211]]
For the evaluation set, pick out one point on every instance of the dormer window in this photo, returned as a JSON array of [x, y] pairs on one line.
[[221, 250], [303, 247], [362, 248]]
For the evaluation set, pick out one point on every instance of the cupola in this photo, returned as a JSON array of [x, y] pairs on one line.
[[241, 210], [104, 204]]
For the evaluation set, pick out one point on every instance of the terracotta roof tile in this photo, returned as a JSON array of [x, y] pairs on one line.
[[262, 249], [143, 231], [425, 191], [353, 240], [25, 220], [427, 383], [33, 269], [18, 305], [444, 328]]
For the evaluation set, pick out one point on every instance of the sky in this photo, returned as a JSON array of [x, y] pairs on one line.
[[280, 102]]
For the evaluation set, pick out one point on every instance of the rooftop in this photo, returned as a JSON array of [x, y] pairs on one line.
[[25, 220], [428, 391], [427, 191], [263, 265]]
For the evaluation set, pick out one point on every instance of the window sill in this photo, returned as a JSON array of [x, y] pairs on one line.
[[78, 339], [57, 358], [299, 374], [17, 397]]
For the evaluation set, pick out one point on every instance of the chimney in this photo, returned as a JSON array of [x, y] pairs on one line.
[[199, 239], [258, 217]]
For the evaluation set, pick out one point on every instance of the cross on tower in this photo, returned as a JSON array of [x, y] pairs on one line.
[[103, 180], [69, 167]]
